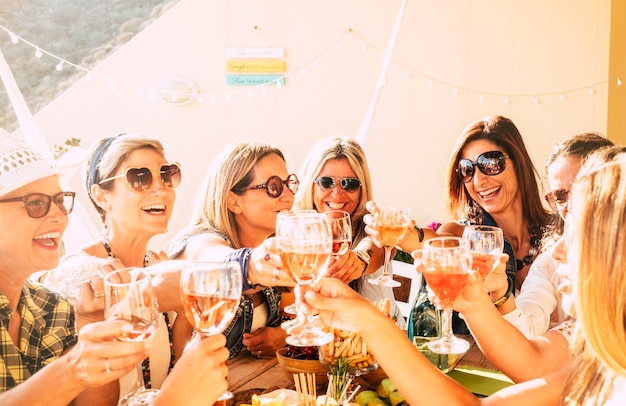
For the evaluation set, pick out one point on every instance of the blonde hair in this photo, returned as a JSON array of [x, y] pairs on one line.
[[231, 171], [106, 156], [338, 147], [598, 211]]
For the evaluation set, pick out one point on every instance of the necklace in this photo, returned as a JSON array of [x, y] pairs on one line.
[[532, 253], [107, 247]]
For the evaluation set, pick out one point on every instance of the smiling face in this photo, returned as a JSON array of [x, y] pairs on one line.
[[336, 198], [33, 244], [255, 212], [495, 194], [145, 213]]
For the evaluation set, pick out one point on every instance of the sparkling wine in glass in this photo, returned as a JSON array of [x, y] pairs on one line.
[[129, 295], [305, 245], [486, 244], [210, 292], [392, 224], [445, 263], [341, 228]]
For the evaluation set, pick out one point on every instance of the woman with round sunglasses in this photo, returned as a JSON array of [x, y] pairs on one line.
[[235, 213], [131, 185], [335, 176]]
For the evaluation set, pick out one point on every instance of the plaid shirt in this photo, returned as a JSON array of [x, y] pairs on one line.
[[47, 331]]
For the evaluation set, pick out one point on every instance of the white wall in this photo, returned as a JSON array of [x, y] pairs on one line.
[[448, 54]]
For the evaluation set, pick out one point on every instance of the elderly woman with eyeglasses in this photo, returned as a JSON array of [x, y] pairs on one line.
[[235, 213], [131, 185]]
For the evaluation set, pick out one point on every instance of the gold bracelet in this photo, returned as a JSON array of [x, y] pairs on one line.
[[507, 295]]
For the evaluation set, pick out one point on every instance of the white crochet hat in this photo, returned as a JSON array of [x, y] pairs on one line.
[[21, 164]]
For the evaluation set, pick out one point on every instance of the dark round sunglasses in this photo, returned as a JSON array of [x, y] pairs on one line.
[[557, 198], [275, 185], [38, 204], [140, 179], [348, 184], [490, 163]]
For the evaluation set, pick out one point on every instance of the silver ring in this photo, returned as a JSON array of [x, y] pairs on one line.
[[258, 354], [275, 274], [107, 367]]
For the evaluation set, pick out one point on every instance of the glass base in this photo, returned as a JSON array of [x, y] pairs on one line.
[[309, 338], [449, 345], [384, 280], [139, 398], [290, 309]]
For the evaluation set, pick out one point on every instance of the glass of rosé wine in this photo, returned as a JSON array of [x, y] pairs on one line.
[[445, 263], [210, 292], [392, 224], [304, 240], [341, 228], [129, 295], [486, 244]]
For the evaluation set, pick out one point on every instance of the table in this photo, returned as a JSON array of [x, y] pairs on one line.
[[247, 371]]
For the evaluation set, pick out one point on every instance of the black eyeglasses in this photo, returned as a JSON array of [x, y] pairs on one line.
[[557, 198], [140, 179], [38, 205], [275, 185], [348, 184], [490, 163]]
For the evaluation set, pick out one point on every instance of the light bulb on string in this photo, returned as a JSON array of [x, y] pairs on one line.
[[38, 53], [263, 91], [591, 91], [199, 98], [455, 92], [327, 54], [279, 84], [112, 86], [562, 96], [59, 66], [407, 74], [153, 95], [339, 45], [364, 47], [304, 72], [138, 89], [481, 98], [350, 33], [536, 100], [212, 99], [249, 94], [88, 77], [619, 81], [430, 82], [227, 98], [14, 38], [506, 100]]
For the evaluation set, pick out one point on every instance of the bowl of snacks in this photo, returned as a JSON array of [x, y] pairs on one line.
[[352, 349], [294, 360]]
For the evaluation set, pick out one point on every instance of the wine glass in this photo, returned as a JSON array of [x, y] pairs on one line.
[[445, 263], [129, 295], [210, 292], [486, 244], [305, 244], [392, 224], [341, 229]]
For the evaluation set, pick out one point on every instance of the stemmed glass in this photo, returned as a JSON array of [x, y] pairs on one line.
[[341, 228], [486, 244], [392, 224], [445, 263], [305, 244], [210, 293], [129, 295]]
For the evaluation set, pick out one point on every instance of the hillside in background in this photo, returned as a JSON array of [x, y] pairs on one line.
[[82, 32]]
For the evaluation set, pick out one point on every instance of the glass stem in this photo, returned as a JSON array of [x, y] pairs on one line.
[[447, 322], [141, 386], [388, 250]]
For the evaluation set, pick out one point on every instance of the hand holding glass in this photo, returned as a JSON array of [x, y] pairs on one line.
[[445, 263], [305, 244], [392, 224], [129, 295], [211, 292], [341, 228], [486, 244]]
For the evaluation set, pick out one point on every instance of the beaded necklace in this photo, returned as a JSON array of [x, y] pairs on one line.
[[145, 365]]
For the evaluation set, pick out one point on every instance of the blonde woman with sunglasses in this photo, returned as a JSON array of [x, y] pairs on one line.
[[246, 187], [335, 176], [132, 187]]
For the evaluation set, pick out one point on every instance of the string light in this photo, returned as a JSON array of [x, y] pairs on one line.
[[350, 34]]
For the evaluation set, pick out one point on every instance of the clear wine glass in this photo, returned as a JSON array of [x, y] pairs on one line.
[[445, 263], [129, 295], [341, 229], [305, 244], [210, 292], [392, 224], [486, 244]]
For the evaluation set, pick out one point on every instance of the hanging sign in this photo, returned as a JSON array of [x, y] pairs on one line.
[[255, 80], [255, 53], [255, 66]]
